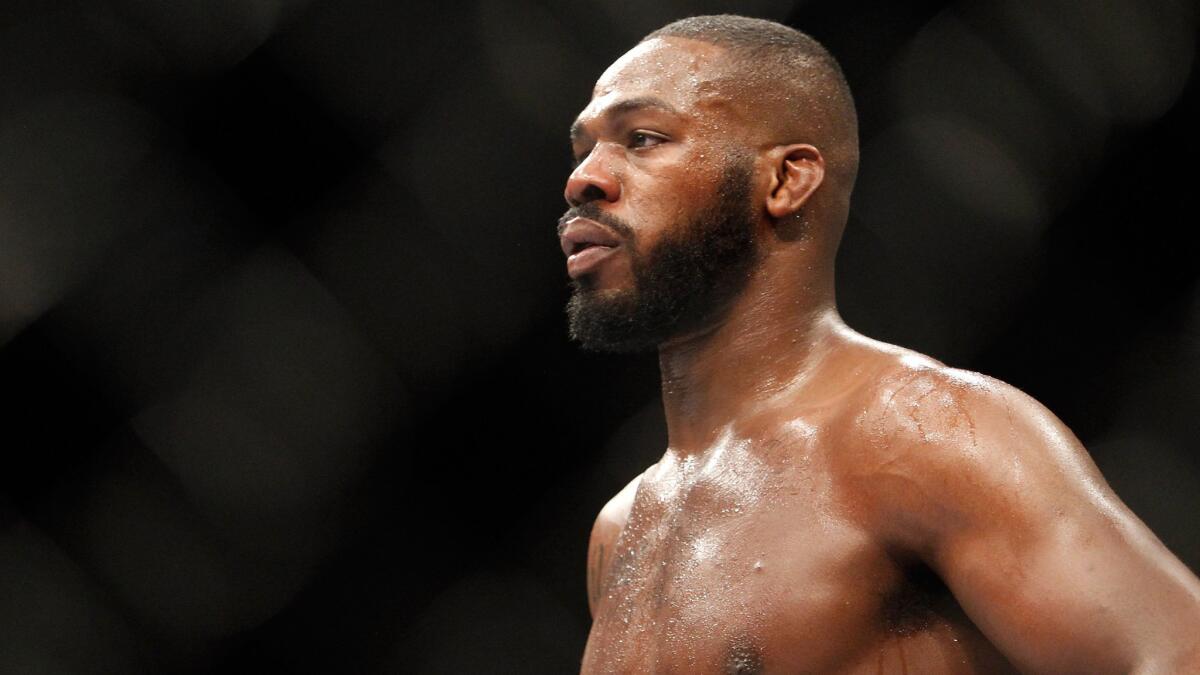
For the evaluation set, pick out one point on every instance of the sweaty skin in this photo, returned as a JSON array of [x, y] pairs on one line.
[[828, 503]]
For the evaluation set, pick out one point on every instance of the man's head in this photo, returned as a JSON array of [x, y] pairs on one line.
[[700, 153]]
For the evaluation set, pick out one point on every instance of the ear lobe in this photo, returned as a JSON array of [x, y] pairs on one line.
[[799, 172]]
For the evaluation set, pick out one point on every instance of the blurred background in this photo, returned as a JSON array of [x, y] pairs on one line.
[[284, 374]]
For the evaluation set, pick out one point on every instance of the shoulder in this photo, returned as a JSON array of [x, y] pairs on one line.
[[918, 402], [605, 531], [612, 517], [934, 447]]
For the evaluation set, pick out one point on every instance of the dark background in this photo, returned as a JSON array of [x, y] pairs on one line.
[[284, 380]]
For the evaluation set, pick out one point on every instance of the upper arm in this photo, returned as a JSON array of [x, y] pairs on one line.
[[605, 531], [1004, 503]]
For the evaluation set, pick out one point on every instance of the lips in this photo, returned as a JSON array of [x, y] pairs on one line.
[[586, 244]]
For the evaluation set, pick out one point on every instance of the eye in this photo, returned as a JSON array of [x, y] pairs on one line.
[[645, 139], [578, 157]]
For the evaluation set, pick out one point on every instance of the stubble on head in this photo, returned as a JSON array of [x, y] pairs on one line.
[[685, 283]]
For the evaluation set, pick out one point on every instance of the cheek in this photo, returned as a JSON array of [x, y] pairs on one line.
[[664, 198], [656, 213], [650, 209], [661, 198]]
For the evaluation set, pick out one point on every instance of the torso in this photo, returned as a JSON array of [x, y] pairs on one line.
[[752, 557]]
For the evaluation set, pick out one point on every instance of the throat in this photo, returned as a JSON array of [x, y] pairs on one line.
[[750, 360]]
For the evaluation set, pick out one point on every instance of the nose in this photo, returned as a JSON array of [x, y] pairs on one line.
[[592, 180]]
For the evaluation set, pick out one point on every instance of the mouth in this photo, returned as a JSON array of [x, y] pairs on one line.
[[586, 244]]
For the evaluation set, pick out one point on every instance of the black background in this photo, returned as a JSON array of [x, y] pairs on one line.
[[382, 170]]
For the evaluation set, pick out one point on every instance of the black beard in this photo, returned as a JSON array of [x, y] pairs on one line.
[[683, 285]]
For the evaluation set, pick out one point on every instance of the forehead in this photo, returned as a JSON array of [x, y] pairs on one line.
[[684, 73]]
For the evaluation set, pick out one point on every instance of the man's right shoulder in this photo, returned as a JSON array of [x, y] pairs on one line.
[[616, 511], [928, 447], [605, 532]]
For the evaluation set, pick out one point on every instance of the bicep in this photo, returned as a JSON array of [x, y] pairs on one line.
[[1052, 567], [1080, 587]]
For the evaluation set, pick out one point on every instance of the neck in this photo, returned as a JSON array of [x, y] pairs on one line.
[[769, 340]]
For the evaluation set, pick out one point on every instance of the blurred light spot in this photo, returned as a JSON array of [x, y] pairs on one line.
[[166, 565], [1050, 49], [1048, 80], [87, 49], [493, 623], [284, 400], [54, 620], [978, 172], [205, 34], [531, 54], [120, 324], [371, 61], [952, 72], [937, 197], [400, 281], [61, 196], [496, 212], [227, 457], [1143, 51]]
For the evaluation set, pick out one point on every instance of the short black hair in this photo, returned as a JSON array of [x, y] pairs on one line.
[[757, 39], [774, 56]]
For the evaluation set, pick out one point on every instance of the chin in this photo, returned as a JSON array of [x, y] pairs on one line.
[[606, 320]]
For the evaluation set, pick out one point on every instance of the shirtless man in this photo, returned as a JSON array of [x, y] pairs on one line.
[[826, 503]]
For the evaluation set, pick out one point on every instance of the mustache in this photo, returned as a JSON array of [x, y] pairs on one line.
[[592, 211]]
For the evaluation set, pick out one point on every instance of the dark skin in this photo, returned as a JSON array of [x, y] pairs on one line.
[[828, 503]]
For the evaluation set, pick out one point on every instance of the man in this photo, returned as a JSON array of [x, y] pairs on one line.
[[827, 503]]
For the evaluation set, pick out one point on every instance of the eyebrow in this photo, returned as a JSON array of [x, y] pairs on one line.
[[622, 108]]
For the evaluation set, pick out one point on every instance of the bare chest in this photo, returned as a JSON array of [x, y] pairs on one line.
[[717, 561], [751, 566]]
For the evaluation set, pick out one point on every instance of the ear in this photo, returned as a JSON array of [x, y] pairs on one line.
[[798, 170]]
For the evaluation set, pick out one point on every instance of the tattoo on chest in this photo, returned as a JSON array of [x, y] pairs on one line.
[[595, 574]]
